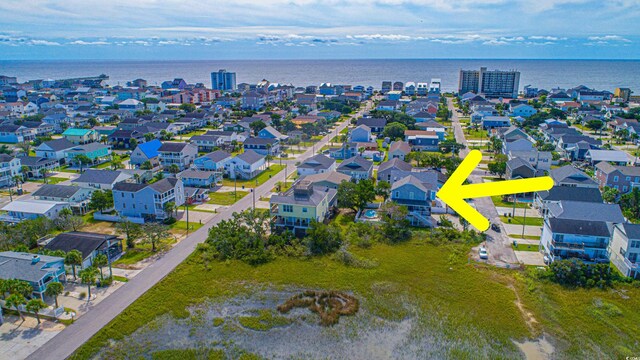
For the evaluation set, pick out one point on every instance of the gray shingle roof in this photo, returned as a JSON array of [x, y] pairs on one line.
[[85, 242], [250, 156], [579, 227], [558, 193], [217, 155], [15, 265], [317, 162], [98, 176], [172, 147], [576, 210], [58, 191], [59, 144]]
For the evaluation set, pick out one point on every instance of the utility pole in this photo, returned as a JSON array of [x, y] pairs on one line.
[[187, 211], [524, 221], [109, 258]]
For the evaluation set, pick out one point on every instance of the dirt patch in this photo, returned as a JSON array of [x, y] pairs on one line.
[[540, 349], [330, 305]]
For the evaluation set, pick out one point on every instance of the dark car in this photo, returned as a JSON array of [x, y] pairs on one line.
[[495, 227]]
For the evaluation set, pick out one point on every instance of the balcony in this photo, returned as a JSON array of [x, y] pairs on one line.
[[632, 265]]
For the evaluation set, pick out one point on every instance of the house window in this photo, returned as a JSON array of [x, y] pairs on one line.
[[304, 210], [615, 179], [287, 208], [628, 178], [633, 257]]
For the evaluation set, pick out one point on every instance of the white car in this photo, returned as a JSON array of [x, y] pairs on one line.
[[483, 253]]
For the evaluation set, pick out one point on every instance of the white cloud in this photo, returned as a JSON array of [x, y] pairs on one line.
[[608, 38], [82, 42]]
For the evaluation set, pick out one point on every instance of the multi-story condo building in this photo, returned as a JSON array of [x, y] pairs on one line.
[[493, 83], [9, 167], [621, 178], [174, 153], [624, 249], [223, 80]]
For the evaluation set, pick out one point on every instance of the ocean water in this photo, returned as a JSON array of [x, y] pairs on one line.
[[598, 74]]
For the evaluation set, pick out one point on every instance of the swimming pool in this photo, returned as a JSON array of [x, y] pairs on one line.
[[370, 214]]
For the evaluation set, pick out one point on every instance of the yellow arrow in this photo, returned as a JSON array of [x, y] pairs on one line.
[[453, 192]]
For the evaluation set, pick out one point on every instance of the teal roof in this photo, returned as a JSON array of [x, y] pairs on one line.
[[76, 132]]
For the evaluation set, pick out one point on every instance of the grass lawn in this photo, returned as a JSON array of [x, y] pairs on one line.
[[525, 247], [519, 220], [225, 198], [461, 303], [472, 134], [50, 180], [497, 201], [345, 130], [104, 165], [526, 237], [261, 178]]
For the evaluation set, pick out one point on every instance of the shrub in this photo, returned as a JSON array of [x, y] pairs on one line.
[[575, 273], [82, 295]]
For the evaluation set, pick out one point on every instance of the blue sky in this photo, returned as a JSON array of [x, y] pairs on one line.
[[309, 29]]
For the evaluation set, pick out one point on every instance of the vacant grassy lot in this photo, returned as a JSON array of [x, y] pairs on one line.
[[471, 134], [525, 247], [260, 179], [526, 237], [226, 198], [519, 220], [497, 201], [50, 180], [469, 304]]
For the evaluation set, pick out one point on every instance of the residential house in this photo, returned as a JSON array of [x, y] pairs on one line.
[[10, 133], [586, 240], [386, 168], [523, 110], [330, 180], [422, 140], [621, 178], [77, 197], [263, 146], [124, 139], [80, 136], [199, 178], [37, 270], [376, 125], [96, 152], [388, 105], [616, 157], [357, 167], [399, 150], [518, 168], [539, 160], [54, 149], [144, 152], [101, 179], [19, 210], [271, 133], [9, 167], [417, 197], [362, 133], [570, 176], [131, 105], [174, 153], [246, 165], [88, 244], [148, 201], [587, 195], [214, 161], [301, 205], [580, 210], [346, 151], [624, 249], [317, 164], [35, 166], [490, 122]]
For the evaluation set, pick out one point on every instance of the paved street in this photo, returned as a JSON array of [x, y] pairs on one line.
[[497, 244], [67, 341]]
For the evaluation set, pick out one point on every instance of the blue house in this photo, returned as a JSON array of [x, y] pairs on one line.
[[417, 197], [490, 122], [214, 161], [198, 178], [271, 133], [37, 270], [362, 133], [586, 240], [147, 151], [523, 110], [141, 202]]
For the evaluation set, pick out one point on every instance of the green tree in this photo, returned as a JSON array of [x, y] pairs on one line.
[[131, 230], [146, 165], [322, 238], [73, 259], [594, 125], [189, 108], [154, 233], [14, 301], [100, 261], [499, 166], [116, 162], [24, 147], [610, 194], [256, 126], [395, 226], [169, 207], [67, 221], [88, 276], [356, 196], [395, 130], [101, 200], [82, 160], [174, 169], [383, 189], [54, 289], [34, 306], [630, 204]]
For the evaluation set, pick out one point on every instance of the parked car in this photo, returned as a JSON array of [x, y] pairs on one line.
[[483, 253], [495, 227]]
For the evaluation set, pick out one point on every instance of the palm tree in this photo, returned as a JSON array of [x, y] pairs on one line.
[[24, 170], [137, 178], [15, 300], [174, 169], [73, 258], [100, 261], [82, 160], [54, 289], [88, 276], [44, 172], [34, 306], [169, 207], [24, 147]]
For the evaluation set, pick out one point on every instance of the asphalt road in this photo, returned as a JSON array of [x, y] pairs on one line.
[[498, 244], [67, 341]]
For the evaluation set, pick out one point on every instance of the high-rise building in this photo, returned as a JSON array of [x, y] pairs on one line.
[[623, 93], [492, 84], [223, 80]]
